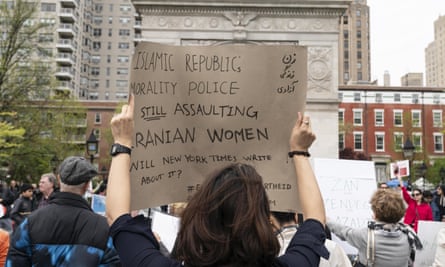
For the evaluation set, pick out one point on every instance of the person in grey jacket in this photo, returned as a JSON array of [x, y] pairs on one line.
[[391, 245]]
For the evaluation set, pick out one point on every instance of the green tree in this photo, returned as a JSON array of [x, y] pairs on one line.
[[27, 88]]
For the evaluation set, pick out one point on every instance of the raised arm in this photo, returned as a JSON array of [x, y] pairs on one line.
[[118, 189], [309, 193]]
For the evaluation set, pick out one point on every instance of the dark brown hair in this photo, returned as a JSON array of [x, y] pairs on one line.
[[226, 223]]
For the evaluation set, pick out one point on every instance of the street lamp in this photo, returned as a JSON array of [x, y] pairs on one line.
[[408, 153], [92, 146], [442, 175]]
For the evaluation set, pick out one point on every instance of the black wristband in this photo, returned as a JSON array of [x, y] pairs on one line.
[[296, 152]]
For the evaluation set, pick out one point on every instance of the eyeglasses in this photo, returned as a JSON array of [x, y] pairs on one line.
[[416, 194]]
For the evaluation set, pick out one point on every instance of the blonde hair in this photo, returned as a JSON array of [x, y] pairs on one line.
[[388, 206]]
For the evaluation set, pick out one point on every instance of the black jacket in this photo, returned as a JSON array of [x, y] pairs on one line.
[[64, 233]]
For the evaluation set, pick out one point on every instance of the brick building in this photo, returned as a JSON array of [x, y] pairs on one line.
[[376, 121]]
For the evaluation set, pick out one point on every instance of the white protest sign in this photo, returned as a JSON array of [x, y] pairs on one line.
[[427, 232], [167, 227], [98, 204], [347, 187], [201, 108], [401, 167]]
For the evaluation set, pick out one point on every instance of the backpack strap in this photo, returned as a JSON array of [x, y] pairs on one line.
[[370, 246]]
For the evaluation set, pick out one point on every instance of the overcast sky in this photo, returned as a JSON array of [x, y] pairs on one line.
[[400, 32]]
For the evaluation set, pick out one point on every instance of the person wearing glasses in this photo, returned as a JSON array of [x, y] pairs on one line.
[[418, 208]]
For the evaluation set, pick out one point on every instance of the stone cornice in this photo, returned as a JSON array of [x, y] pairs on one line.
[[272, 11], [247, 3]]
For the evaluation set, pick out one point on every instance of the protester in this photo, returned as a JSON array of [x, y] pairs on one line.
[[4, 246], [285, 224], [391, 247], [439, 200], [15, 188], [439, 258], [6, 200], [417, 208], [242, 236], [23, 206], [47, 186], [66, 232]]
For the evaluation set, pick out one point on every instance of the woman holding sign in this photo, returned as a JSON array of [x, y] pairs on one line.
[[226, 221], [418, 209]]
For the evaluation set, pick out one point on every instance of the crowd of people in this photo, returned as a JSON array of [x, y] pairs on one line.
[[228, 222]]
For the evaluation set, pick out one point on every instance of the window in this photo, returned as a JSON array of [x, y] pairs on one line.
[[438, 142], [98, 8], [380, 141], [341, 116], [417, 141], [378, 98], [124, 45], [110, 20], [398, 118], [359, 76], [124, 20], [345, 44], [437, 118], [358, 141], [345, 19], [358, 23], [359, 54], [359, 34], [357, 116], [396, 97], [379, 117], [346, 54], [357, 97], [95, 71], [122, 71], [415, 116], [96, 45], [97, 118], [124, 32], [341, 141], [122, 59], [125, 8], [97, 20], [48, 7], [415, 98], [95, 59], [121, 83], [359, 44], [359, 65], [398, 141], [108, 58], [97, 134], [340, 96], [46, 37], [346, 76], [97, 32], [110, 32], [346, 34]]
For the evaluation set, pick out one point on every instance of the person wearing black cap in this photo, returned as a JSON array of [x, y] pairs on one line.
[[66, 232], [23, 205]]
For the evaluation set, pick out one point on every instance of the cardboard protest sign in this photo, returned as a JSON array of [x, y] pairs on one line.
[[347, 187], [199, 108]]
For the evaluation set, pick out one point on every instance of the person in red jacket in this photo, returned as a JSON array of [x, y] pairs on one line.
[[418, 208]]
